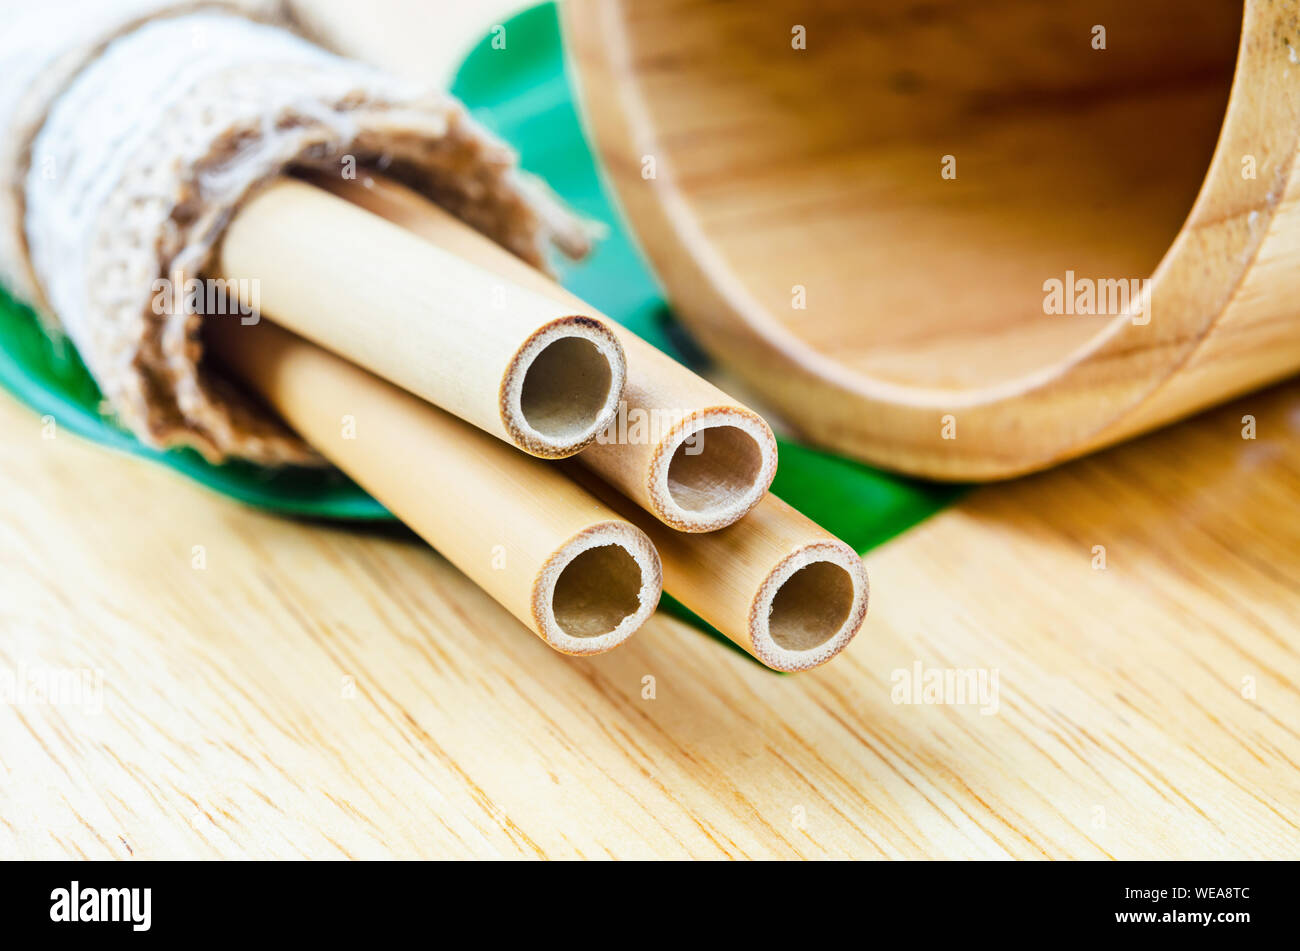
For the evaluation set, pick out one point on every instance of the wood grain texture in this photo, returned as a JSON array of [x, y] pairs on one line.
[[1169, 155], [228, 728]]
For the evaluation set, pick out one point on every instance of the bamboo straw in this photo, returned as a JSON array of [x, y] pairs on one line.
[[523, 369], [776, 583], [708, 462], [567, 566]]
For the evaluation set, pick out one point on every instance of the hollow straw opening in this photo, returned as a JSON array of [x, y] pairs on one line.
[[563, 387], [809, 607], [719, 466], [712, 467], [566, 388], [598, 589]]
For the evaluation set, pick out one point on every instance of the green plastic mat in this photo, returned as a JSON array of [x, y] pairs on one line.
[[523, 93]]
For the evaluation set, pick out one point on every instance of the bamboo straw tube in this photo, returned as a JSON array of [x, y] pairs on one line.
[[776, 583], [523, 369], [568, 567], [708, 461]]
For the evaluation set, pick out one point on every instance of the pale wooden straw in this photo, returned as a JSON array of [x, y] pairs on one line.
[[776, 583], [573, 571], [518, 365], [664, 474]]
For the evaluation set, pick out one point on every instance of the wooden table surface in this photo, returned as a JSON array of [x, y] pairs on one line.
[[310, 690]]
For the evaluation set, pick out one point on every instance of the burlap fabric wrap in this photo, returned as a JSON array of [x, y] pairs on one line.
[[131, 131]]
